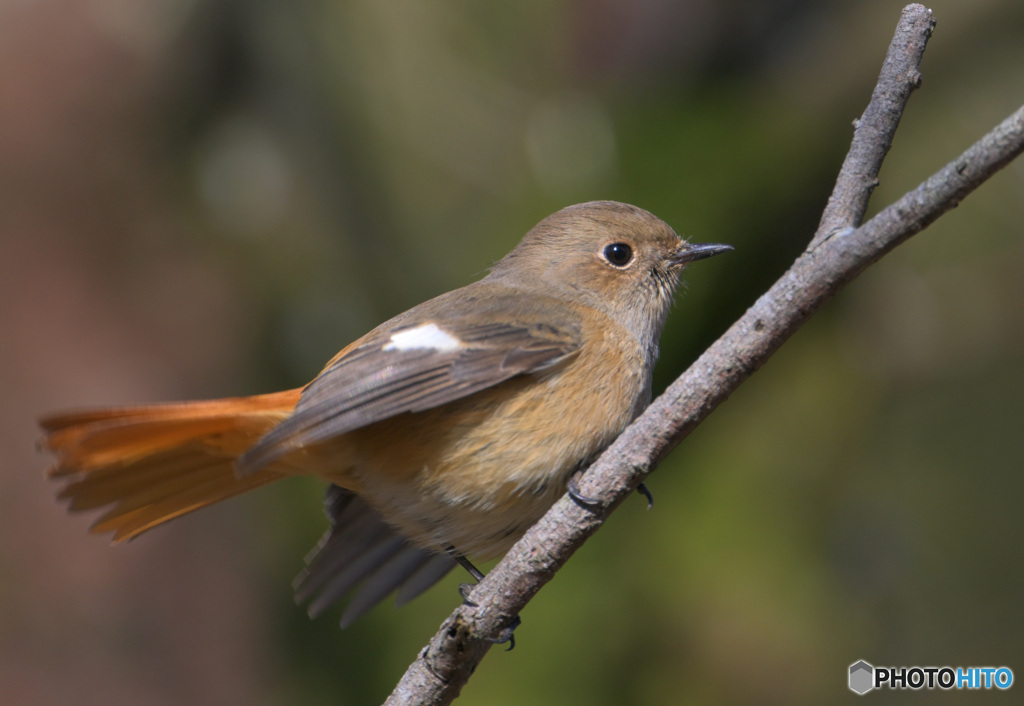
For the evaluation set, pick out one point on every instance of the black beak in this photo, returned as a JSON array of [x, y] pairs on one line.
[[702, 251]]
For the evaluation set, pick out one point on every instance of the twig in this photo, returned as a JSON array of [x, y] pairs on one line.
[[873, 132], [837, 255]]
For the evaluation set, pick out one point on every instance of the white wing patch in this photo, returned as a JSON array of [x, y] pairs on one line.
[[425, 336]]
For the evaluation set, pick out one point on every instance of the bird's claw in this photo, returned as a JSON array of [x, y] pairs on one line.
[[642, 489], [584, 501], [507, 635]]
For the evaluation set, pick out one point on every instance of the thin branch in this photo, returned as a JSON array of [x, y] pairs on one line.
[[444, 666], [873, 132]]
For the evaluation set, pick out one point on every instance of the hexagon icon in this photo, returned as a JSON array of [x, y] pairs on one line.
[[861, 677]]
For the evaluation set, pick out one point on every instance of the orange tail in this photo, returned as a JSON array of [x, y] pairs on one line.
[[152, 464]]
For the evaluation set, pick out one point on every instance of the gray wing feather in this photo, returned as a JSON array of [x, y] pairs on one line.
[[370, 383], [361, 547]]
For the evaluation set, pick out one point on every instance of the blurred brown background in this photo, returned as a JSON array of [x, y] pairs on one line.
[[205, 198]]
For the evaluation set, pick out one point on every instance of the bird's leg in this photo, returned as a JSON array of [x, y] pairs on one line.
[[465, 589]]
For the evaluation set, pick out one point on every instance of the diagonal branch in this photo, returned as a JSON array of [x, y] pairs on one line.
[[835, 257]]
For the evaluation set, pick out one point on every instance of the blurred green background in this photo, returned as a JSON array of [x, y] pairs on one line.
[[202, 198]]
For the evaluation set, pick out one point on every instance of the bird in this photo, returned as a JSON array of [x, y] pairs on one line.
[[443, 434]]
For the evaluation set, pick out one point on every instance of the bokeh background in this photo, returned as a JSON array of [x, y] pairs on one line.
[[202, 198]]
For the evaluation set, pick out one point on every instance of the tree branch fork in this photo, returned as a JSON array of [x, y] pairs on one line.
[[840, 250]]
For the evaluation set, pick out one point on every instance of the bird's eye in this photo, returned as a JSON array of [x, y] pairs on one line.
[[618, 254]]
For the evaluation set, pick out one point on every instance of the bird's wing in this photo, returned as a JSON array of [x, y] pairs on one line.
[[414, 365], [361, 549]]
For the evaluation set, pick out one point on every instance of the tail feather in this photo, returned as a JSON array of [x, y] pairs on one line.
[[147, 481], [135, 515], [152, 464], [143, 466]]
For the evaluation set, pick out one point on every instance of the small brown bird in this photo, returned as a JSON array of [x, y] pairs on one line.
[[445, 433]]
